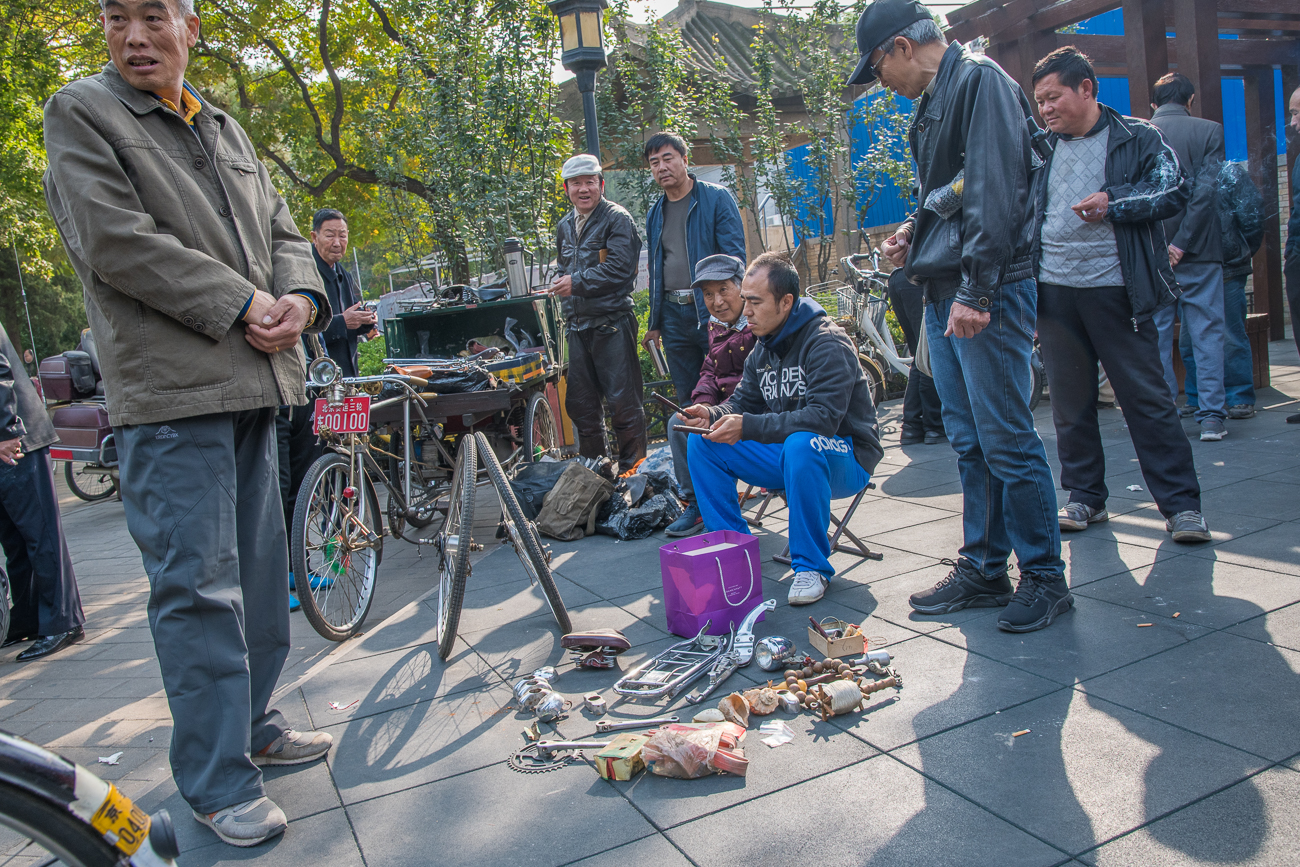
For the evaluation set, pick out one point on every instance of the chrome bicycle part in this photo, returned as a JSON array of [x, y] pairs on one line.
[[605, 726], [673, 670]]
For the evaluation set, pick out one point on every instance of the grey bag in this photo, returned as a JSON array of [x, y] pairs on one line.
[[569, 510], [921, 358]]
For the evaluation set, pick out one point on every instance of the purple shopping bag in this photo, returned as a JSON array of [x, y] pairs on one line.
[[714, 576]]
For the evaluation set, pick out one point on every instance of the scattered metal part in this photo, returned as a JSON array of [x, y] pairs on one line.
[[533, 733], [548, 755], [604, 726], [880, 657], [546, 673], [595, 703], [718, 672], [788, 702], [534, 697], [522, 686], [772, 652], [673, 670], [551, 707], [742, 641]]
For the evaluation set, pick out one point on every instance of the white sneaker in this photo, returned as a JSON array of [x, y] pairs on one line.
[[246, 824], [294, 748], [807, 588]]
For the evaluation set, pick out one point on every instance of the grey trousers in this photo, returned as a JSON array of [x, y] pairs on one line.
[[202, 498]]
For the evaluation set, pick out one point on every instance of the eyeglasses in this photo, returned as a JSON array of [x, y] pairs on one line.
[[875, 67]]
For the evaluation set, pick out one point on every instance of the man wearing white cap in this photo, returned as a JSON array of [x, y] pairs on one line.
[[598, 250]]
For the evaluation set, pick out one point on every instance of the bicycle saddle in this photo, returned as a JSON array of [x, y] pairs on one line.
[[595, 648]]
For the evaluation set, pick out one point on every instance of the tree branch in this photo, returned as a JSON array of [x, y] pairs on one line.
[[337, 118]]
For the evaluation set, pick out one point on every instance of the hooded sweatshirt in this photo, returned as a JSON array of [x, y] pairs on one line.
[[806, 377]]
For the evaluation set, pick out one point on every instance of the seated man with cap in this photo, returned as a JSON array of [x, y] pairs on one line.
[[598, 249], [730, 341], [801, 420]]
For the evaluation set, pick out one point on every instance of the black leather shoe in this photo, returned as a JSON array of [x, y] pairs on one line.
[[49, 644], [911, 437], [11, 639], [934, 437]]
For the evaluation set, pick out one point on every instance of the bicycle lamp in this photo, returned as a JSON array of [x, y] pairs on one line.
[[322, 372], [772, 652]]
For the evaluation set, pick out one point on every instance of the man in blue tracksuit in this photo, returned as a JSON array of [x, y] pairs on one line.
[[691, 221], [801, 420]]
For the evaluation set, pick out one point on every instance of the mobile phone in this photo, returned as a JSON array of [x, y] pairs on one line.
[[668, 403], [689, 429]]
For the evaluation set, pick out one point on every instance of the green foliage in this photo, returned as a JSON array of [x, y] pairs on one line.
[[54, 301], [370, 356]]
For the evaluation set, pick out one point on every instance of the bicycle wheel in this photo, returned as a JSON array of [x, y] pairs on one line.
[[541, 433], [875, 377], [338, 544], [91, 483], [523, 536], [453, 544], [49, 830]]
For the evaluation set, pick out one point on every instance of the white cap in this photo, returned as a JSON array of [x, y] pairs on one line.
[[582, 164]]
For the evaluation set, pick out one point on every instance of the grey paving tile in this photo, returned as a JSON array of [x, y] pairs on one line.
[[509, 602], [1090, 555], [1275, 548], [937, 538], [652, 851], [1223, 686], [1146, 526], [1281, 627], [317, 839], [612, 573], [887, 600], [1211, 593], [1254, 497], [942, 687], [1093, 638], [818, 748], [499, 817], [1254, 823], [1086, 770], [855, 571], [912, 821], [906, 481], [395, 679]]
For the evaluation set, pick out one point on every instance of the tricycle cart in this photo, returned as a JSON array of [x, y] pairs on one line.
[[424, 430]]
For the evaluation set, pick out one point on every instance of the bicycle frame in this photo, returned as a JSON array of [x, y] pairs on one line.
[[870, 315]]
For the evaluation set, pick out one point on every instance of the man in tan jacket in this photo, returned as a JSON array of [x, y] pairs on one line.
[[198, 287]]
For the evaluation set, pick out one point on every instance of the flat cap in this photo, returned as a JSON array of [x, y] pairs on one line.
[[719, 266], [582, 164]]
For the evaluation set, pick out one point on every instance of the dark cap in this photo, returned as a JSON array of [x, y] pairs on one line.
[[719, 266], [878, 22]]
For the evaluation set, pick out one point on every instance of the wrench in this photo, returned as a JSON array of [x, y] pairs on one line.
[[605, 726]]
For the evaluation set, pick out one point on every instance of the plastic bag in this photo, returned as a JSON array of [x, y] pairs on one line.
[[626, 522], [688, 752], [658, 465]]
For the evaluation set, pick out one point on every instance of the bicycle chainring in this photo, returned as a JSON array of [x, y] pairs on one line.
[[531, 760]]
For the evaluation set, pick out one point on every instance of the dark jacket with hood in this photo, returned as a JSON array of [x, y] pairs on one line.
[[1241, 214], [1145, 184], [972, 120], [806, 377], [602, 263]]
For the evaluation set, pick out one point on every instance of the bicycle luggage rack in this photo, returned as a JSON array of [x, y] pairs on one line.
[[675, 669]]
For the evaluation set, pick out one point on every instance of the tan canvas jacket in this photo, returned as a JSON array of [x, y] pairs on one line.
[[170, 229]]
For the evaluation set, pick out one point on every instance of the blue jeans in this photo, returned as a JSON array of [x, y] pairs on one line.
[[1200, 308], [1238, 365], [811, 469], [685, 344], [984, 383]]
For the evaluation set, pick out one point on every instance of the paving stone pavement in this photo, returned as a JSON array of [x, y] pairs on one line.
[[1171, 743]]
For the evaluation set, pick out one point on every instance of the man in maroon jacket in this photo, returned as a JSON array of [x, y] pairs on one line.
[[730, 341]]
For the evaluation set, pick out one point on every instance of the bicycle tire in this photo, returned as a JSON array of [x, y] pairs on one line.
[[330, 576], [54, 828], [539, 410], [523, 536], [453, 544], [875, 377], [87, 494]]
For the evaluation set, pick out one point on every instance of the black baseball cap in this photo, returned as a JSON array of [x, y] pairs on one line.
[[879, 21]]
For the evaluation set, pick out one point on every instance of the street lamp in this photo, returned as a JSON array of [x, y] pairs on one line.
[[583, 53]]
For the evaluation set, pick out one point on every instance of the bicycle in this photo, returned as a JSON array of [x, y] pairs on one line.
[[337, 537], [64, 813]]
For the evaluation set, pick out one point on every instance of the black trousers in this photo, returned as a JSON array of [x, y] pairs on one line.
[[1292, 275], [46, 601], [922, 409], [298, 450], [603, 364], [1078, 328]]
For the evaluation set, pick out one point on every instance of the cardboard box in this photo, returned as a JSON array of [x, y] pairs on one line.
[[839, 647], [621, 760]]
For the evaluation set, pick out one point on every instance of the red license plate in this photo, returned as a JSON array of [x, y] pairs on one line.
[[351, 416]]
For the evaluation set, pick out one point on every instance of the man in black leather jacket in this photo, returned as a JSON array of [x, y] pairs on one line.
[[968, 246], [598, 252]]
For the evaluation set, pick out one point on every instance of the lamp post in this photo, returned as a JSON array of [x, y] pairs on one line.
[[582, 52]]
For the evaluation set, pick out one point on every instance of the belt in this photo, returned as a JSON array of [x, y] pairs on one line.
[[682, 298]]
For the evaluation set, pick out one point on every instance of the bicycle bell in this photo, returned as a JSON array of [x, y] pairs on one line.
[[771, 653]]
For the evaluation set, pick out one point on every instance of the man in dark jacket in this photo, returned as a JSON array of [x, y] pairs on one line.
[[1195, 250], [1292, 258], [47, 606], [922, 407], [969, 247], [1103, 271], [598, 250], [730, 342], [1241, 214], [692, 220], [801, 420]]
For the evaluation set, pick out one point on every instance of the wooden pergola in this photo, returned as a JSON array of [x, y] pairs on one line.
[[1267, 37]]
